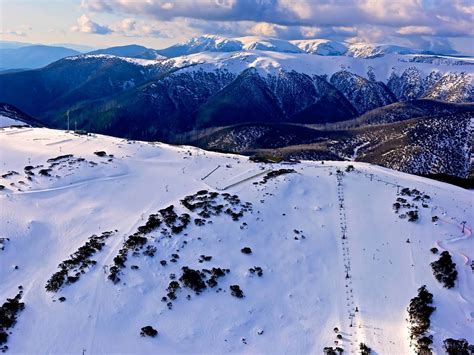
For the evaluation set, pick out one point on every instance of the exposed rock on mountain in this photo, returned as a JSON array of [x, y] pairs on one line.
[[363, 94]]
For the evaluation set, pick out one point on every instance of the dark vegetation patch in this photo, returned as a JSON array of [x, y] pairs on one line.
[[364, 349], [207, 204], [45, 172], [59, 158], [55, 165], [8, 317], [419, 312], [196, 280], [246, 250], [458, 347], [328, 350], [203, 258], [9, 174], [203, 205], [236, 291], [193, 279], [256, 270], [71, 269], [444, 270], [402, 204], [264, 159], [3, 242], [275, 173], [137, 241], [148, 331]]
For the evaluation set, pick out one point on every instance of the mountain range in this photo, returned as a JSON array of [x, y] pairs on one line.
[[213, 82], [18, 55]]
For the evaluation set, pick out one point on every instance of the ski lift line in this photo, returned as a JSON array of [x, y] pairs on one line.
[[205, 177]]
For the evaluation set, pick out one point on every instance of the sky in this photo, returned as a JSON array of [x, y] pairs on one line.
[[444, 26]]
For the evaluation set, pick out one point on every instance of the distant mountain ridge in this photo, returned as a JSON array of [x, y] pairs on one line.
[[34, 56], [130, 51], [158, 99], [17, 55]]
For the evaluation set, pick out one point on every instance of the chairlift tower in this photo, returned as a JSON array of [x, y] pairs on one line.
[[67, 113]]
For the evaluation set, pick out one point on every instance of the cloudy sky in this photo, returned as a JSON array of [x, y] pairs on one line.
[[439, 25]]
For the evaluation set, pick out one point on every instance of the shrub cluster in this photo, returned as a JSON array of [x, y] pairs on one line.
[[10, 173], [207, 204], [246, 250], [274, 173], [328, 350], [419, 312], [364, 349], [45, 172], [176, 223], [236, 291], [71, 269], [148, 331], [444, 270], [402, 203], [412, 216], [59, 157], [193, 279], [458, 347], [203, 258], [196, 280], [8, 317], [256, 270]]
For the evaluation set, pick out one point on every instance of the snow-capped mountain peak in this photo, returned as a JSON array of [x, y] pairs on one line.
[[321, 46], [268, 44], [369, 50]]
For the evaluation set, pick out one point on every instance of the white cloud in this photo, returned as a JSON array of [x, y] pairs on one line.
[[86, 25], [127, 24], [416, 30], [18, 33], [380, 20]]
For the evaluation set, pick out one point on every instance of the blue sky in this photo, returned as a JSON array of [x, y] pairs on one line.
[[439, 25]]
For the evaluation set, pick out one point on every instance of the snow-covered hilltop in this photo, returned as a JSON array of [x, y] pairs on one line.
[[324, 47], [106, 241]]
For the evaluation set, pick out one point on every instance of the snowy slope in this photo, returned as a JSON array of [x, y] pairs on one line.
[[7, 121], [369, 50], [268, 44], [321, 46], [294, 228], [268, 62]]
